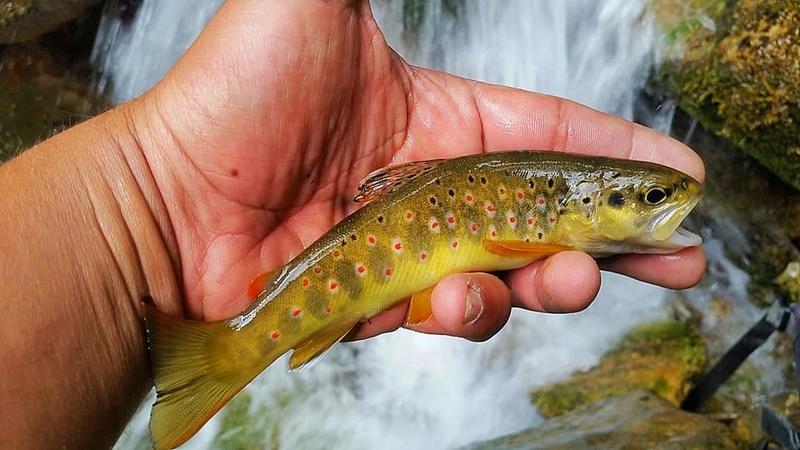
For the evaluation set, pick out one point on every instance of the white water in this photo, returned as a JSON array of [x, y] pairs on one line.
[[410, 391]]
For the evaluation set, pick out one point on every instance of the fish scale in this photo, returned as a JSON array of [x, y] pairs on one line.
[[424, 220]]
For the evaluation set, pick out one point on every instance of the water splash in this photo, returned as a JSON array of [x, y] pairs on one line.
[[405, 390], [132, 53]]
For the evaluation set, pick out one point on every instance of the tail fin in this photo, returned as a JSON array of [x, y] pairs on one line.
[[194, 375]]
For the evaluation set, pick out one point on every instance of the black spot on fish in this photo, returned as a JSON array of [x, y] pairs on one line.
[[615, 175], [380, 219], [484, 180], [344, 242], [438, 182], [471, 179], [616, 200], [586, 200], [540, 235], [527, 240], [451, 193], [433, 200], [550, 183], [531, 184], [353, 237]]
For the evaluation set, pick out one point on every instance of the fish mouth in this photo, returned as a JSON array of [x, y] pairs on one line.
[[666, 227]]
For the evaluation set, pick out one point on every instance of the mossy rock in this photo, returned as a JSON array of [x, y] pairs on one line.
[[636, 420], [741, 77], [25, 20], [662, 357]]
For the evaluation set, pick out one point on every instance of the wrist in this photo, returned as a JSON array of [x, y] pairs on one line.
[[85, 239]]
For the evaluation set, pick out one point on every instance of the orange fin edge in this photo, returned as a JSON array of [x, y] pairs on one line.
[[259, 284], [419, 308], [522, 249]]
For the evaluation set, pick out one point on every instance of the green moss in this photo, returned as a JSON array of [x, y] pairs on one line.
[[662, 357], [11, 9], [743, 81], [240, 428]]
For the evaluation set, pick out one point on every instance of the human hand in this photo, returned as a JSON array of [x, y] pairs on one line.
[[258, 138]]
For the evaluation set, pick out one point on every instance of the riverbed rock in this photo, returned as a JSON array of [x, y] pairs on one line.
[[736, 68], [44, 85], [635, 420], [663, 357], [24, 20]]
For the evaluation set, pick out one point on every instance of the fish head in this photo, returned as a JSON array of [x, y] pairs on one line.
[[638, 208]]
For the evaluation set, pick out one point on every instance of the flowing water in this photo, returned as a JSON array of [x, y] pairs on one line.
[[406, 390]]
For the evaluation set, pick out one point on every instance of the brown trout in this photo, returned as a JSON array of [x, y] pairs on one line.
[[425, 220]]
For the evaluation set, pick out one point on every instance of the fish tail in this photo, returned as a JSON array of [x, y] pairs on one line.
[[193, 373]]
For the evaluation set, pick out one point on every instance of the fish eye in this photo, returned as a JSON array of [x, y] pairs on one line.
[[656, 195], [616, 199]]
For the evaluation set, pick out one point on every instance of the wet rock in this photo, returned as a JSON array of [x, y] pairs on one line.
[[44, 85], [737, 70], [662, 357], [636, 420], [24, 20]]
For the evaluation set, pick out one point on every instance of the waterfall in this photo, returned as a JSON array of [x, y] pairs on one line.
[[412, 391]]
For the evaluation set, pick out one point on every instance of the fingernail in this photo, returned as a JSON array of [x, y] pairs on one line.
[[474, 307]]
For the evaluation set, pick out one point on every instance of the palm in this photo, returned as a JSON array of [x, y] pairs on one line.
[[291, 112]]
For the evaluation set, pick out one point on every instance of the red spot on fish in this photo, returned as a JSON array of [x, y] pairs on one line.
[[317, 270], [502, 192], [360, 269], [297, 313], [530, 221], [333, 286], [305, 282], [541, 202], [512, 219], [454, 244], [275, 335], [433, 224], [409, 216], [371, 240], [473, 228], [337, 254], [397, 246], [520, 195], [551, 219], [490, 209], [469, 199], [492, 232], [388, 272], [423, 256], [450, 218], [327, 310]]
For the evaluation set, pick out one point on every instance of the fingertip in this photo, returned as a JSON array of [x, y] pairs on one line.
[[565, 282], [680, 270], [474, 306]]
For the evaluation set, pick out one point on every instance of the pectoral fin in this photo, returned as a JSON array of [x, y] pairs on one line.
[[311, 351], [259, 284], [419, 309], [522, 249]]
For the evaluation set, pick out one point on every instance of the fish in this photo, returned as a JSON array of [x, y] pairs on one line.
[[421, 222]]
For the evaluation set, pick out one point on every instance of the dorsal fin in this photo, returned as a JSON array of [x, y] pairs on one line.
[[389, 179]]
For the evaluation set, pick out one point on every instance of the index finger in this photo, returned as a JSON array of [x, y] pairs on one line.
[[516, 119]]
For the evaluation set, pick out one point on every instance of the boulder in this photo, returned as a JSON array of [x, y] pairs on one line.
[[636, 420]]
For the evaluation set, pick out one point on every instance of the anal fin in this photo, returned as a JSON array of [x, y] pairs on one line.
[[311, 351], [522, 249]]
